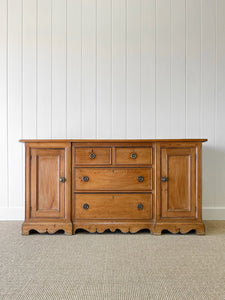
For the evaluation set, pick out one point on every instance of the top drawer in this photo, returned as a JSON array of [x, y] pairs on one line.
[[91, 156], [133, 155]]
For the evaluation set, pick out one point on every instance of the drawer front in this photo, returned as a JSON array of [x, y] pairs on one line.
[[112, 206], [92, 156], [133, 155], [118, 179]]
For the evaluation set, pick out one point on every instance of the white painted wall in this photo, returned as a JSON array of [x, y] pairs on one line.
[[112, 69]]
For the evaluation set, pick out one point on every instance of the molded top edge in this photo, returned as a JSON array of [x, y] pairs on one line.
[[109, 140]]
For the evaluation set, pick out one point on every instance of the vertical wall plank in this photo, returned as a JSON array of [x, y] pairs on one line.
[[15, 102], [193, 68], [178, 68], [148, 68], [74, 39], [163, 71], [133, 68], [208, 99], [118, 68], [104, 68], [59, 98], [3, 104], [89, 120], [220, 104], [44, 69], [29, 68]]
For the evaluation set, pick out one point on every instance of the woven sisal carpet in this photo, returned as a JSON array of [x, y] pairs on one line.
[[112, 265]]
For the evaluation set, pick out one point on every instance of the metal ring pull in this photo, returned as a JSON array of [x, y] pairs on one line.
[[133, 155], [85, 178], [140, 206], [140, 178], [85, 206], [92, 155]]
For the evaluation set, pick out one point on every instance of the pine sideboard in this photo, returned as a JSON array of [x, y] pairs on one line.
[[128, 185]]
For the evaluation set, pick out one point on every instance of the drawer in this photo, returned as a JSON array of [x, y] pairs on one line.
[[118, 179], [112, 206], [133, 155], [92, 156]]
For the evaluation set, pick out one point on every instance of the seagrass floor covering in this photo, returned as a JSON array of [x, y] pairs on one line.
[[112, 265]]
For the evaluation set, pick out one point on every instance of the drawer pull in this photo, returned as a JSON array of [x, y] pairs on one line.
[[164, 179], [85, 178], [140, 178], [133, 155], [62, 179], [92, 156], [140, 206], [85, 206]]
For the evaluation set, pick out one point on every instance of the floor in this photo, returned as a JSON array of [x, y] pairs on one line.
[[112, 265]]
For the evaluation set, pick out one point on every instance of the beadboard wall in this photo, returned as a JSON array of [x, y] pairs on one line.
[[112, 69]]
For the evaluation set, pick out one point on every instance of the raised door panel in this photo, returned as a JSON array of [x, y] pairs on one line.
[[47, 192], [178, 182]]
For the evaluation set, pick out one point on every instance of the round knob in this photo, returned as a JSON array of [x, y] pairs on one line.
[[92, 155], [62, 179], [133, 155], [139, 206], [140, 178], [85, 206], [164, 179], [85, 178]]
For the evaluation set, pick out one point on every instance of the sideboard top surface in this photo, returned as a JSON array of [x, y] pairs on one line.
[[108, 140]]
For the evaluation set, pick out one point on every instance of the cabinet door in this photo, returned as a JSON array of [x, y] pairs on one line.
[[47, 191], [178, 182]]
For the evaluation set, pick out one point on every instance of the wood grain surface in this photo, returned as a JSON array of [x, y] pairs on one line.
[[112, 206], [118, 179]]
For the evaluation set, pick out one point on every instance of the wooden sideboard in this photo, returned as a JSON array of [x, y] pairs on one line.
[[113, 184]]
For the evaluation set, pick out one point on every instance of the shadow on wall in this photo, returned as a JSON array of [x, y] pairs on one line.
[[213, 176]]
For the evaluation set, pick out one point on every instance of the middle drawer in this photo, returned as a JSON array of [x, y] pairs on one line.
[[112, 179]]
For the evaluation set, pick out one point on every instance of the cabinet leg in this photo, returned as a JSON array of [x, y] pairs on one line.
[[200, 230], [157, 230], [157, 233], [25, 231], [68, 232]]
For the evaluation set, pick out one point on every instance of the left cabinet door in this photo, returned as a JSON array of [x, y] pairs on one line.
[[48, 183]]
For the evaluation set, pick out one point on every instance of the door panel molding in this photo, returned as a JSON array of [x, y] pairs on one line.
[[178, 192], [48, 194]]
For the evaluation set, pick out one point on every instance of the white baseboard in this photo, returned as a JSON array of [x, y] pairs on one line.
[[18, 213], [12, 213], [213, 213]]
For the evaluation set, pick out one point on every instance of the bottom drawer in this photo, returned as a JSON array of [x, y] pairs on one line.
[[112, 206]]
